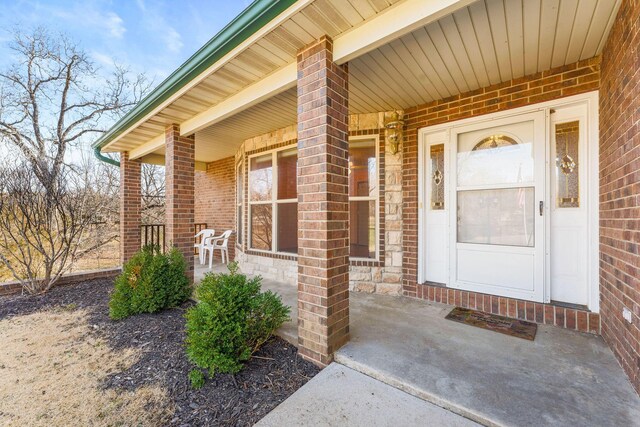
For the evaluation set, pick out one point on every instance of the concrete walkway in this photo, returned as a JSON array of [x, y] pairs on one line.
[[340, 396], [561, 378]]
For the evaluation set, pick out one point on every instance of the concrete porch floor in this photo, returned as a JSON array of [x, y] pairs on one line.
[[561, 378]]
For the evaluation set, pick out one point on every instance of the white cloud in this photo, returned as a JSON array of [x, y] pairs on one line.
[[103, 59], [156, 23], [172, 40], [115, 25]]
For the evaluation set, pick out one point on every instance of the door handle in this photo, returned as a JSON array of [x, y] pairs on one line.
[[541, 207]]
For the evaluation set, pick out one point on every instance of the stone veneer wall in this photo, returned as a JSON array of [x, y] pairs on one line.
[[620, 189]]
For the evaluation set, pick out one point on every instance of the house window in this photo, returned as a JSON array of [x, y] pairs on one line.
[[273, 201], [239, 201], [363, 198]]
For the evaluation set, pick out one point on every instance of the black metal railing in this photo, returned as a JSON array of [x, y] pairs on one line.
[[154, 234]]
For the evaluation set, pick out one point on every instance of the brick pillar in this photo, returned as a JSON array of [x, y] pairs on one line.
[[130, 203], [179, 190], [323, 203]]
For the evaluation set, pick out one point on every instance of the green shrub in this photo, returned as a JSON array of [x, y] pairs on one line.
[[231, 321], [150, 281], [196, 377]]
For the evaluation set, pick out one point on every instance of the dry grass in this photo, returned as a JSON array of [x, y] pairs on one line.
[[50, 371]]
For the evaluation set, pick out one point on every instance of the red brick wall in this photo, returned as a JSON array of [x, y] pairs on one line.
[[215, 199], [179, 185], [323, 203], [620, 188], [130, 207], [556, 83]]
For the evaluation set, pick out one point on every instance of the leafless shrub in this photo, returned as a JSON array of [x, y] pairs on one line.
[[43, 228]]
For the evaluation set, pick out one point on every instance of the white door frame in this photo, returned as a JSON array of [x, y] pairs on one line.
[[591, 99]]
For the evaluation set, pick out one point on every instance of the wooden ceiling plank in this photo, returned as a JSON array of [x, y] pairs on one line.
[[515, 33], [349, 13], [364, 8], [464, 26], [497, 21], [282, 54], [397, 81], [311, 26], [580, 28], [482, 28], [425, 45], [601, 21], [449, 30], [425, 94], [548, 28], [370, 90]]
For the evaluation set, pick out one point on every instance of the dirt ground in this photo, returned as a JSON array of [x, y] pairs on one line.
[[50, 370], [64, 362]]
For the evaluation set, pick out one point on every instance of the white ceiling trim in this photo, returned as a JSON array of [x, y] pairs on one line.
[[394, 22], [148, 147], [273, 84]]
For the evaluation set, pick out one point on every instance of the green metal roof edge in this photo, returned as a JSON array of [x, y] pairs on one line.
[[247, 23]]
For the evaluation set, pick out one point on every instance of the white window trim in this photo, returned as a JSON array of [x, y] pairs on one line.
[[376, 198], [240, 202], [273, 202]]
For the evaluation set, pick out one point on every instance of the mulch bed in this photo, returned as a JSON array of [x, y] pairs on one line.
[[265, 382]]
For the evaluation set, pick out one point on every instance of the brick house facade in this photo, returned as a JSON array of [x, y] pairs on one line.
[[620, 188], [332, 101]]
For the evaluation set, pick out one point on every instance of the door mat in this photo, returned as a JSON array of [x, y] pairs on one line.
[[492, 322]]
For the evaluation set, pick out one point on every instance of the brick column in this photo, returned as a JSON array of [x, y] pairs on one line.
[[179, 184], [323, 203], [130, 203]]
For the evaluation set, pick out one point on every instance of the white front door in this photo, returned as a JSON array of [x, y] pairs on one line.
[[497, 214]]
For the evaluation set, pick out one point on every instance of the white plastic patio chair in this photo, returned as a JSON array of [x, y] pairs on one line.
[[221, 243], [203, 235]]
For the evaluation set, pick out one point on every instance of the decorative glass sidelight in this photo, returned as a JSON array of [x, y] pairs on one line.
[[437, 177], [567, 165]]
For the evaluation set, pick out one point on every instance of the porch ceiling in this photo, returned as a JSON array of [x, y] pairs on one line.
[[308, 20], [481, 43], [485, 43]]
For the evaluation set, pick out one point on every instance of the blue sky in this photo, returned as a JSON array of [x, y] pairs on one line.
[[150, 36]]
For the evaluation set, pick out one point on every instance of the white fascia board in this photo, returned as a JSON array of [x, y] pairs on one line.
[[148, 147], [392, 23], [395, 22]]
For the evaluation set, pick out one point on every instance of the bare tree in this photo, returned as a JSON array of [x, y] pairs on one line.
[[52, 99], [152, 192]]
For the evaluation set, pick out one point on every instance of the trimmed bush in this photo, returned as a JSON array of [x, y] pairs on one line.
[[150, 281], [232, 319]]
